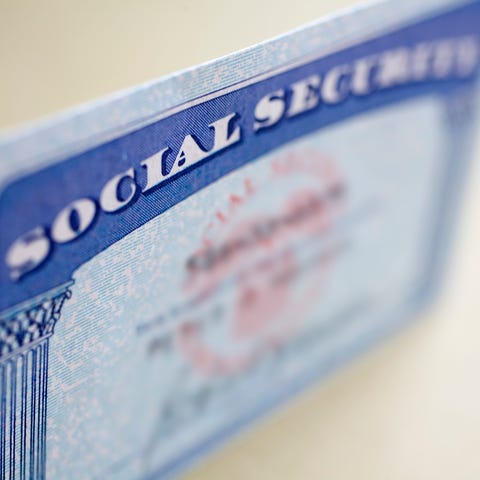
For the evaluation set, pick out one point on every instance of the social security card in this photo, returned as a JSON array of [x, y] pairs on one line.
[[180, 258]]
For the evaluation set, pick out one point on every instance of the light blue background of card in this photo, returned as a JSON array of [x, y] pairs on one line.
[[95, 420]]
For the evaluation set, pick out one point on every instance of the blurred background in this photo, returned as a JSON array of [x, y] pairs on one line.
[[409, 408]]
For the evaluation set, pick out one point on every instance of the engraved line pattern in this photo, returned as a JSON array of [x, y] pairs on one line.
[[24, 337]]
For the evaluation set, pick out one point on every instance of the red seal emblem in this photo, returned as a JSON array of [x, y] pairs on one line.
[[262, 265]]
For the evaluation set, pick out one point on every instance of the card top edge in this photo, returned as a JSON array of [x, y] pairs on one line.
[[47, 140]]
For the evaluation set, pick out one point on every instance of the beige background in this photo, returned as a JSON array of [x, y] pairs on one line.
[[410, 408]]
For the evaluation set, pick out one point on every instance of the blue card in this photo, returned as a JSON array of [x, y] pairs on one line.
[[177, 260]]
